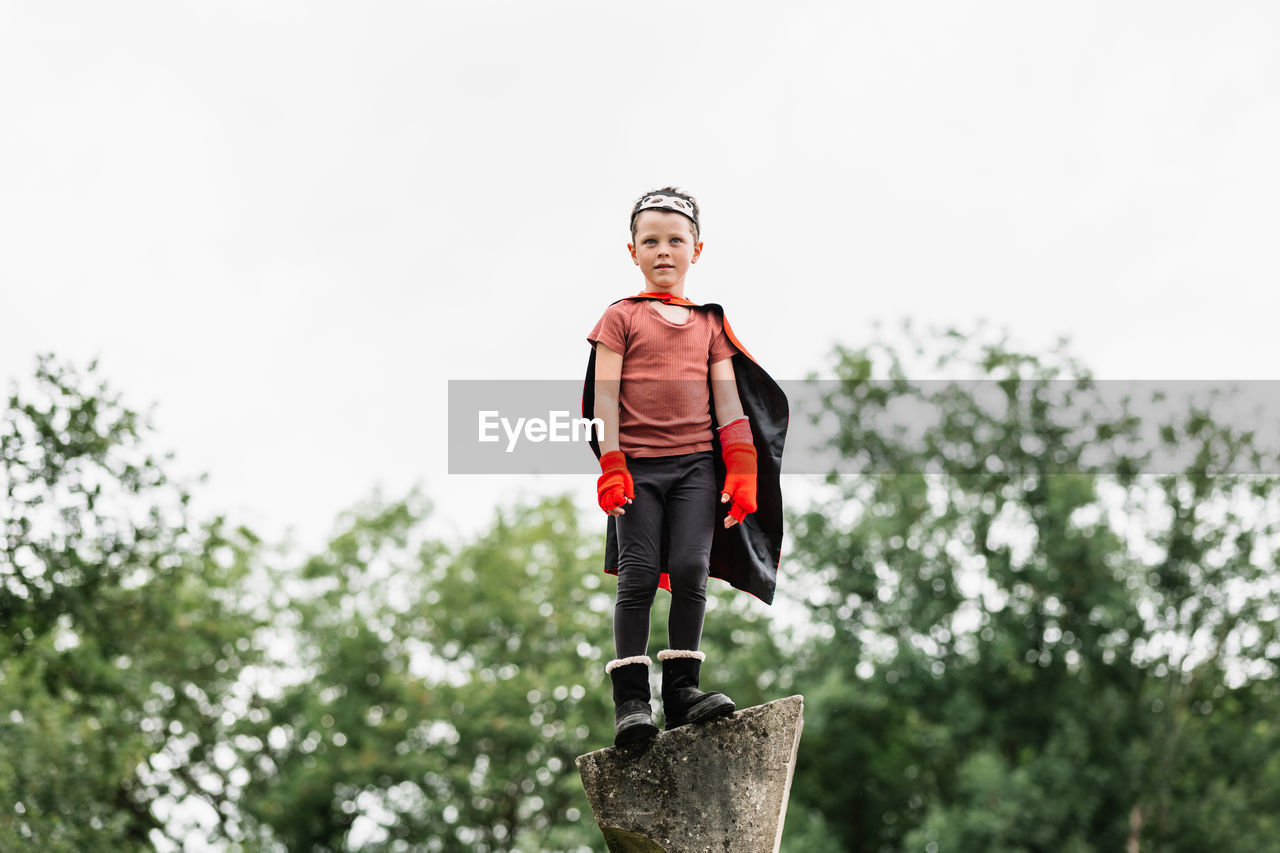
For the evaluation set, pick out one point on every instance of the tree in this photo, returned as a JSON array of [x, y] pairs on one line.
[[1036, 627], [437, 698], [121, 636]]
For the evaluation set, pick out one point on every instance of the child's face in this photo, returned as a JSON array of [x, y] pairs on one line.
[[664, 248]]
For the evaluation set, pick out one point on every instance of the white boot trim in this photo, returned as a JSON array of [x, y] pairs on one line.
[[617, 662], [668, 654]]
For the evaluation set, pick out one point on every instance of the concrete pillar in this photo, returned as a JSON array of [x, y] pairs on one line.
[[719, 786]]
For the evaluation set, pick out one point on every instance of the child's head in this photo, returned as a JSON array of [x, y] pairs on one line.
[[667, 198], [664, 238]]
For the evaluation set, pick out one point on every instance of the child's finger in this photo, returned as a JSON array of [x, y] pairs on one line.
[[729, 521], [724, 496]]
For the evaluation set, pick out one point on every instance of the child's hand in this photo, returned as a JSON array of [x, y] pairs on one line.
[[729, 520], [739, 454], [739, 482], [615, 487]]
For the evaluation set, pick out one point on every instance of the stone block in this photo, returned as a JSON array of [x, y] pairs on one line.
[[718, 786]]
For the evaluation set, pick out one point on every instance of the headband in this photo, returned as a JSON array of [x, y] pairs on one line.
[[662, 201]]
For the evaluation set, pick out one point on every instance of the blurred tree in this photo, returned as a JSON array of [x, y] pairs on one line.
[[1039, 637], [121, 636], [438, 699]]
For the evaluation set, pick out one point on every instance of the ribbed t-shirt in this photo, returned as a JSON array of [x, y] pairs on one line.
[[664, 400]]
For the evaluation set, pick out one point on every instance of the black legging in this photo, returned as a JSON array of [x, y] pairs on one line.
[[680, 492]]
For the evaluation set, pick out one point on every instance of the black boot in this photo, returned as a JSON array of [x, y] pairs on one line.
[[682, 701], [633, 716]]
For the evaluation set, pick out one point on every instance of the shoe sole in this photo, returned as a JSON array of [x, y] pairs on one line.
[[633, 729], [711, 708]]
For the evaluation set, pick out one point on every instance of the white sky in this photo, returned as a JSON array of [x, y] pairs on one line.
[[288, 224]]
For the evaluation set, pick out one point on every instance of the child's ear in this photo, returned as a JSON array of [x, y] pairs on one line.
[[697, 250], [632, 250]]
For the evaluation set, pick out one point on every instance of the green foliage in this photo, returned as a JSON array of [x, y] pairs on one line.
[[121, 639], [1031, 639], [1019, 639], [442, 697]]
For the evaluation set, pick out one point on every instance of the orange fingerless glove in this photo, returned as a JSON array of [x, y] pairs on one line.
[[615, 485], [739, 451]]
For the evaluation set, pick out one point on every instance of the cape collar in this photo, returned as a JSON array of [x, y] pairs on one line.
[[666, 297]]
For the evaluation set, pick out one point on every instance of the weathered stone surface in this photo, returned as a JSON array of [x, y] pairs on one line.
[[720, 786]]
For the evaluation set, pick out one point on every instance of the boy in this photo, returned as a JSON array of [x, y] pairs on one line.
[[684, 408]]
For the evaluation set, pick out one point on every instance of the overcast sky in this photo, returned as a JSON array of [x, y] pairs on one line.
[[288, 224]]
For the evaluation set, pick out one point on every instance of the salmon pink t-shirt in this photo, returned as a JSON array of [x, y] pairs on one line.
[[664, 401]]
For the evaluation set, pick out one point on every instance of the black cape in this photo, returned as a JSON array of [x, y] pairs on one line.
[[747, 554]]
